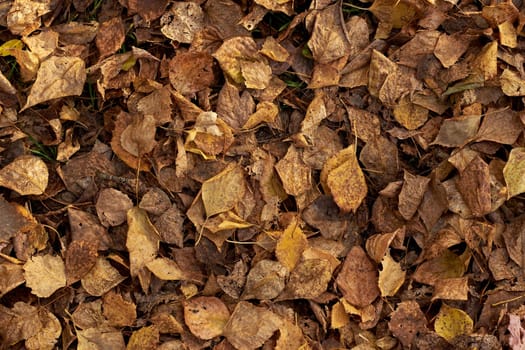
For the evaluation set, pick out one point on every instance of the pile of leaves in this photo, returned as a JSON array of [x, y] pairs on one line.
[[270, 173]]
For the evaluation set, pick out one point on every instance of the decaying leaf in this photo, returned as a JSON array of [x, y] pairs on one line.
[[407, 321], [266, 280], [308, 280], [52, 267], [391, 277], [101, 278], [206, 317], [118, 311], [294, 174], [250, 326], [57, 77], [26, 175], [165, 269], [358, 267], [182, 21]]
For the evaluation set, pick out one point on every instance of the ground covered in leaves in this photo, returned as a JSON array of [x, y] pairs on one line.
[[226, 174]]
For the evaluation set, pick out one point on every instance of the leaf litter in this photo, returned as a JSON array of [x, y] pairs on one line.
[[262, 174]]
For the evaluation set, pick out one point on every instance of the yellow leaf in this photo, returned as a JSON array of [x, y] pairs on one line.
[[339, 317], [165, 269], [451, 322], [25, 175], [344, 179], [206, 317], [514, 172], [223, 191], [45, 274], [7, 47], [391, 277], [142, 242], [291, 245], [410, 115]]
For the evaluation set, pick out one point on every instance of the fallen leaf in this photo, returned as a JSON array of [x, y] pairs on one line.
[[150, 10], [81, 256], [223, 191], [410, 115], [146, 338], [358, 267], [514, 172], [24, 16], [407, 321], [451, 322], [295, 175], [25, 175], [411, 195], [101, 278], [455, 132], [110, 37], [512, 84], [266, 280], [291, 245], [182, 21], [291, 337], [191, 72], [308, 280], [206, 317], [112, 206], [446, 265], [118, 311], [328, 40], [52, 267], [344, 179], [391, 276], [165, 269], [474, 185], [452, 289], [138, 138], [102, 337], [142, 243], [502, 126], [12, 275], [517, 333], [250, 326], [57, 77]]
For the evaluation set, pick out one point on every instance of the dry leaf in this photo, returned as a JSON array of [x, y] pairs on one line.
[[517, 333], [512, 84], [250, 326], [344, 179], [294, 174], [358, 267], [52, 267], [12, 275], [452, 289], [391, 276], [149, 10], [142, 243], [81, 256], [191, 72], [514, 172], [206, 317], [112, 206], [182, 21], [223, 191], [165, 269], [118, 311], [102, 337], [25, 175], [101, 278], [24, 15], [328, 41], [451, 322], [412, 192], [407, 321], [57, 77], [291, 245], [291, 337], [146, 338], [308, 280], [110, 37], [446, 265], [266, 280], [138, 138], [474, 186]]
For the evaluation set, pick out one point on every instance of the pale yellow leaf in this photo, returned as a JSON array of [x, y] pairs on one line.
[[165, 269], [223, 191], [291, 245], [391, 277], [514, 172], [45, 274], [25, 175]]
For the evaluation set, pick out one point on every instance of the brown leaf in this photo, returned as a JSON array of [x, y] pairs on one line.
[[328, 41], [52, 267], [446, 265], [250, 326], [452, 289], [149, 10], [266, 280], [81, 256], [502, 126], [412, 192], [380, 156], [101, 278], [102, 337], [112, 206], [110, 36], [410, 115], [206, 317], [24, 16], [407, 321], [138, 138], [166, 269], [365, 125], [474, 186], [223, 191], [455, 132], [146, 338], [25, 175], [512, 84], [57, 77], [191, 72], [358, 267], [118, 311], [308, 280], [449, 48], [182, 21], [12, 275], [291, 337], [344, 179], [294, 174]]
